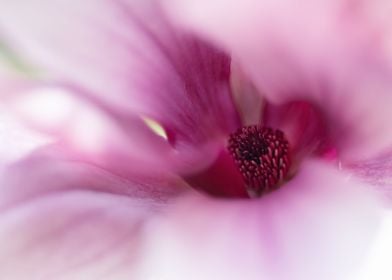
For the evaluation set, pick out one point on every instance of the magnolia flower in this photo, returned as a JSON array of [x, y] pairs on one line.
[[174, 160]]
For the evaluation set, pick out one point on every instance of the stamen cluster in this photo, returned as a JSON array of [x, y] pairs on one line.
[[262, 156]]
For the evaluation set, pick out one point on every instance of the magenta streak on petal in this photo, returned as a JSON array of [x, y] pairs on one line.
[[376, 172], [205, 73]]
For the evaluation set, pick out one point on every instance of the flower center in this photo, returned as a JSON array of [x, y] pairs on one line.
[[262, 156]]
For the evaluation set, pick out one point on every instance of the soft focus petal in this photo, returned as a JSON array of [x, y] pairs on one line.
[[126, 54], [334, 54], [73, 235], [64, 218], [16, 141], [318, 226], [378, 266], [87, 125], [54, 170]]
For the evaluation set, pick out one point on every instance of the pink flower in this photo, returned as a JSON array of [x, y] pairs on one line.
[[112, 199]]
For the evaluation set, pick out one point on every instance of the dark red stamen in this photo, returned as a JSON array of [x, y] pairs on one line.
[[262, 156]]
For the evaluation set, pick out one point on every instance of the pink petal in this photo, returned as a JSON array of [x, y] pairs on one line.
[[92, 129], [73, 235], [334, 54], [64, 218], [317, 226], [53, 169], [126, 55]]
